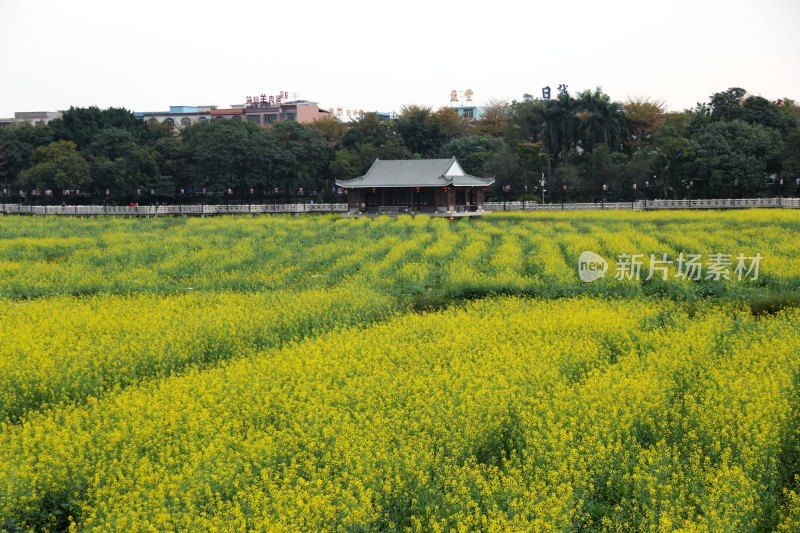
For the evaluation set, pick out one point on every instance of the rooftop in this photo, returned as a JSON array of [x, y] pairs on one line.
[[415, 173]]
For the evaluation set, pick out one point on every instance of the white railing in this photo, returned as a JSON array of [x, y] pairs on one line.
[[738, 203], [155, 210], [535, 206], [204, 210]]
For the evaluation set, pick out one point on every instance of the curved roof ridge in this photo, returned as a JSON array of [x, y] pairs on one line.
[[412, 173]]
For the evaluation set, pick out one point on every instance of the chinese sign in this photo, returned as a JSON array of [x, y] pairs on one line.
[[352, 114], [694, 267], [562, 89], [457, 96], [266, 100]]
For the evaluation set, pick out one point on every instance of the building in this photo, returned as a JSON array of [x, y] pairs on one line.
[[231, 113], [416, 186], [178, 116], [261, 113], [470, 112], [266, 113], [31, 117]]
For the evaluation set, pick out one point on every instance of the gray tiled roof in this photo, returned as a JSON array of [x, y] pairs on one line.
[[413, 173]]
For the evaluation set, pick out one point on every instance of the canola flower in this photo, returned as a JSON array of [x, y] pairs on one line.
[[511, 253], [504, 414], [66, 349], [257, 373]]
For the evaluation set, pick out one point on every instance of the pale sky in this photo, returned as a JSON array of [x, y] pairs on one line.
[[146, 55]]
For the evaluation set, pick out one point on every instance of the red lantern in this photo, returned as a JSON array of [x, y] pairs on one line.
[[445, 188], [374, 189], [417, 188]]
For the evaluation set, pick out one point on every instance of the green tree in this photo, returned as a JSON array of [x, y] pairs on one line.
[[727, 105], [421, 133], [17, 144], [600, 120], [758, 110], [224, 154], [300, 158], [532, 160], [369, 128], [56, 166], [671, 151], [733, 156], [451, 124], [504, 167], [172, 158], [602, 166], [347, 164], [332, 129], [119, 164], [644, 117], [561, 125], [790, 155], [474, 151], [80, 125], [525, 122], [494, 120]]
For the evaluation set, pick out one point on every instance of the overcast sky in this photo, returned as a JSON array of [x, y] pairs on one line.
[[146, 55]]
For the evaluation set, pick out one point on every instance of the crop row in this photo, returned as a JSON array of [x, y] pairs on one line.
[[503, 414], [66, 349], [531, 253]]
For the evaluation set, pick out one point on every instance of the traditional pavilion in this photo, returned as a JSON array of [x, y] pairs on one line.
[[416, 186]]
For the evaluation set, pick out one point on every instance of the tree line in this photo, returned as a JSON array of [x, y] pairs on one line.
[[583, 147]]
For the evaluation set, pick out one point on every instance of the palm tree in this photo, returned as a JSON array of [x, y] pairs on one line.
[[600, 120], [560, 128]]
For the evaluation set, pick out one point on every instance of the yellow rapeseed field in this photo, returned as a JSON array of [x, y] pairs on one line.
[[409, 374]]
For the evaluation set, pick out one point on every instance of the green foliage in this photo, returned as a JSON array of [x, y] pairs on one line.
[[790, 156], [421, 133], [601, 121], [369, 128], [727, 105], [644, 117], [118, 163], [473, 152], [16, 146], [345, 165], [223, 153], [56, 166], [298, 156], [732, 155], [720, 147]]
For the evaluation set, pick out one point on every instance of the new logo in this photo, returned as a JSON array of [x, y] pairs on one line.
[[591, 266]]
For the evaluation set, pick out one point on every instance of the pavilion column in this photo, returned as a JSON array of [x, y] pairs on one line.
[[479, 199]]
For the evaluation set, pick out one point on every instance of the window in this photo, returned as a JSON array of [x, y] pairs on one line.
[[269, 119], [185, 122], [292, 117], [468, 113], [256, 119], [398, 197], [426, 197]]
